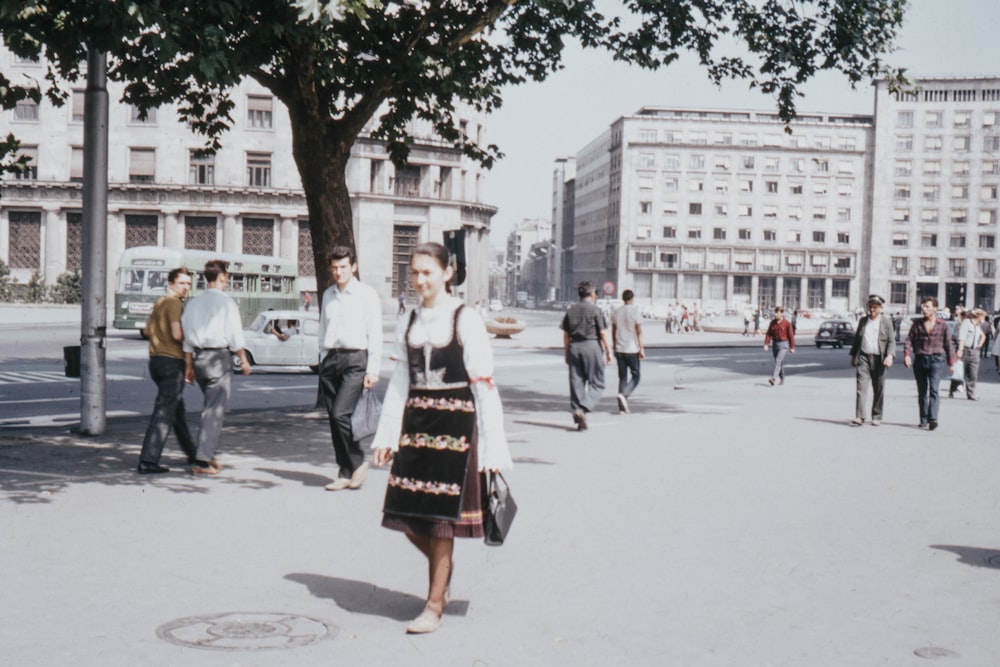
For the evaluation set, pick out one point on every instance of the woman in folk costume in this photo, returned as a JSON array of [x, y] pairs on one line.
[[441, 424]]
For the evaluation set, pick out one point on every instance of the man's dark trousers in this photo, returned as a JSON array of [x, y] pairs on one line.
[[341, 381], [168, 410]]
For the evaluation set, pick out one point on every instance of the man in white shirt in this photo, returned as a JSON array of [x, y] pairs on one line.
[[213, 332], [970, 339], [350, 351], [626, 332], [872, 353]]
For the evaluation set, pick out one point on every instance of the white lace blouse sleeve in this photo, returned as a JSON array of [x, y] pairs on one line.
[[390, 422], [493, 451]]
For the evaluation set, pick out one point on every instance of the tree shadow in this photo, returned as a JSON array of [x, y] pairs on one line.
[[361, 597], [974, 556]]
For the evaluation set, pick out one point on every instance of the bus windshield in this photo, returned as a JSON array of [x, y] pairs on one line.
[[142, 281]]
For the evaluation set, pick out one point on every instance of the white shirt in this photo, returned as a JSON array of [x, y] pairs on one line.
[[352, 320], [869, 341], [433, 325], [212, 319], [624, 322]]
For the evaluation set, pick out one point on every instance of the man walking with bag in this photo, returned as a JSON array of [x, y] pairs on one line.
[[872, 354], [350, 350]]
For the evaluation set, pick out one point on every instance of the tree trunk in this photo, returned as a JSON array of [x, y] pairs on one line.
[[321, 154]]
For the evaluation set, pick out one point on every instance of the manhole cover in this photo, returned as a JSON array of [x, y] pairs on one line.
[[934, 653], [246, 631]]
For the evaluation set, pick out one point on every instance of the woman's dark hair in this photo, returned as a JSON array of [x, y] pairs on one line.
[[438, 253]]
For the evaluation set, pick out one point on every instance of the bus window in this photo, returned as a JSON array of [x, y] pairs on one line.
[[236, 282], [131, 280], [250, 284], [288, 286], [157, 281], [199, 281]]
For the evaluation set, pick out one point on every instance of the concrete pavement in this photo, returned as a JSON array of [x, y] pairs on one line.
[[727, 523]]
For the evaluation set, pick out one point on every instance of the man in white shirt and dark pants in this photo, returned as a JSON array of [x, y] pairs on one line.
[[626, 332], [350, 350], [213, 332]]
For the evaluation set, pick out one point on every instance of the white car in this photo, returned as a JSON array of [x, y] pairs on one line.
[[495, 305], [283, 338]]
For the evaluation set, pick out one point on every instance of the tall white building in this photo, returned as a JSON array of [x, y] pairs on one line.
[[247, 198], [935, 193], [527, 270], [725, 208]]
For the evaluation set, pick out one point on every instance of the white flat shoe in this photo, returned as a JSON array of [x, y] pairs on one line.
[[428, 621]]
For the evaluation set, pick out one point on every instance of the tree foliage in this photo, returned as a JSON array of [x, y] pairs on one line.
[[68, 288], [337, 65], [6, 292]]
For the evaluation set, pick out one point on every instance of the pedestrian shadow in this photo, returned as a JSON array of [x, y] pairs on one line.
[[559, 426], [361, 597], [305, 478], [974, 556]]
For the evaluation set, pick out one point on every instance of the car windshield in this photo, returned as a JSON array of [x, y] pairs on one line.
[[258, 323]]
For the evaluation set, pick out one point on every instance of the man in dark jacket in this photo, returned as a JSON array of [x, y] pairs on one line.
[[872, 353], [588, 347]]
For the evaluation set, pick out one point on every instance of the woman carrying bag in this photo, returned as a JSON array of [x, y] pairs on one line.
[[441, 425]]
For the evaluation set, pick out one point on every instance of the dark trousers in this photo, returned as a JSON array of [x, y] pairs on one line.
[[869, 374], [929, 370], [970, 359], [168, 410], [213, 371], [586, 374], [341, 380], [628, 363]]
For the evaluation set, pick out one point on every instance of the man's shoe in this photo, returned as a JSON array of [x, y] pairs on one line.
[[358, 476], [972, 398], [857, 422], [201, 469], [622, 404], [770, 381], [876, 422], [923, 425], [338, 484], [151, 468], [933, 425], [580, 417]]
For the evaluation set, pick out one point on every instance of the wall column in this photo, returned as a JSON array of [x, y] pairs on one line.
[[232, 234], [54, 248], [173, 231], [288, 238]]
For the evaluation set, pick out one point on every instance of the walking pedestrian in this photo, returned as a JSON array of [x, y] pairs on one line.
[[872, 354], [928, 350], [350, 347], [970, 341], [587, 347], [166, 369], [626, 334], [213, 332], [756, 321], [441, 426], [779, 331]]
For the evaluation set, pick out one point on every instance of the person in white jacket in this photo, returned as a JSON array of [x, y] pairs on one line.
[[441, 426]]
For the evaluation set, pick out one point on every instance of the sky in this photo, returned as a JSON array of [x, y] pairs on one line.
[[540, 122]]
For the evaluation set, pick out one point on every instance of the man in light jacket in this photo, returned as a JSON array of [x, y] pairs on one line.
[[872, 353]]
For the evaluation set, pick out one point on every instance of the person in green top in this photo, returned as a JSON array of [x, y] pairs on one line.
[[166, 369]]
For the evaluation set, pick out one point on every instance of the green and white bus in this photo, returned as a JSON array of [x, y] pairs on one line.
[[256, 282]]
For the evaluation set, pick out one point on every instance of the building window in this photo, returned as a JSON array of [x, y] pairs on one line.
[[199, 233], [819, 237], [991, 144], [140, 230], [30, 172], [928, 266], [904, 167], [770, 235], [26, 111], [722, 210], [960, 192], [900, 239], [963, 143], [900, 266], [929, 216], [670, 184], [696, 184], [694, 208], [404, 239], [991, 167], [933, 143], [74, 241], [137, 117], [407, 181], [307, 262], [260, 112], [932, 192], [719, 233], [644, 258], [647, 136], [957, 241], [699, 138], [932, 167], [901, 191], [76, 164], [668, 260], [201, 170], [259, 169], [696, 161], [746, 185], [796, 188], [672, 161], [722, 187], [794, 213], [904, 119], [959, 216], [258, 236], [988, 192], [745, 210], [933, 119], [772, 163], [25, 240], [960, 167], [669, 232], [843, 215], [794, 236], [904, 143], [841, 288], [956, 268], [772, 186], [928, 240], [694, 233], [745, 234], [897, 294], [141, 165], [670, 208], [722, 162], [819, 214], [963, 119], [647, 160], [987, 268], [747, 162], [645, 207], [901, 215], [724, 138], [77, 106], [844, 238], [822, 166], [645, 182], [987, 217]]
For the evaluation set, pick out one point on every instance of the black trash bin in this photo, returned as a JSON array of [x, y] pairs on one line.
[[71, 354]]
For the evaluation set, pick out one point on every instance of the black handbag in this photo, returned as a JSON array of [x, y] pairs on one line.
[[364, 420], [499, 508]]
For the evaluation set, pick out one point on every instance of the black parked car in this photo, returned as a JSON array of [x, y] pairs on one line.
[[835, 333]]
